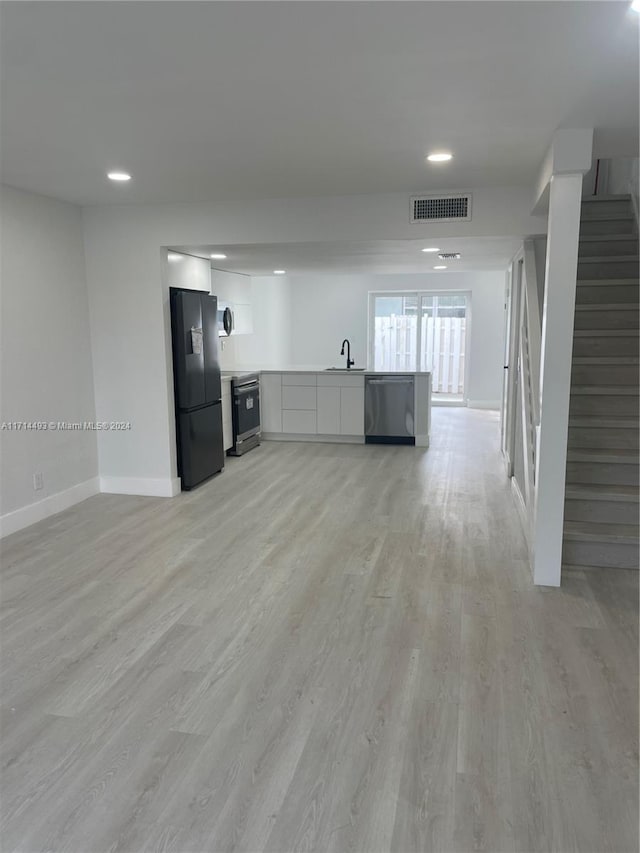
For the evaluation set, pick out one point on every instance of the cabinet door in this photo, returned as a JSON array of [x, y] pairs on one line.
[[299, 379], [299, 397], [352, 411], [227, 424], [243, 317], [328, 420], [299, 422], [271, 402]]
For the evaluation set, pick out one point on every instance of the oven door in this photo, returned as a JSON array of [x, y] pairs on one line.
[[246, 410]]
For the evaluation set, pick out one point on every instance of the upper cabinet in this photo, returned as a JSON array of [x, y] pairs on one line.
[[234, 290], [187, 271], [243, 318]]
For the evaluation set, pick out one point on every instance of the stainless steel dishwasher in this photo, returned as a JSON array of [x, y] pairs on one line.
[[389, 409]]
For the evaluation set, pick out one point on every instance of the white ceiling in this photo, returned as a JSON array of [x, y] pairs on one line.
[[203, 101], [379, 256]]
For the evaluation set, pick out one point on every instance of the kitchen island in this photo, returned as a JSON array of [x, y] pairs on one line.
[[306, 404]]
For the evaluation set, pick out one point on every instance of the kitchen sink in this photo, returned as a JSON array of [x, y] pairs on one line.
[[344, 369]]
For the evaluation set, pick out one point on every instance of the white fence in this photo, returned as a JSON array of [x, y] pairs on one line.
[[442, 345]]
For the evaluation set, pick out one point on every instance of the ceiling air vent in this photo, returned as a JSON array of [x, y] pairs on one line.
[[449, 256], [437, 207]]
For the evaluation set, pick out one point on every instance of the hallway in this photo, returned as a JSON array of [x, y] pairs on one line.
[[326, 647]]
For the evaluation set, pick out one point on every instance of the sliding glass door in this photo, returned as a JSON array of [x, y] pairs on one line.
[[395, 331], [443, 321], [422, 331]]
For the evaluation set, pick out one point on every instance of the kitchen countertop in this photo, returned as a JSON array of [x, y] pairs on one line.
[[311, 369], [228, 375]]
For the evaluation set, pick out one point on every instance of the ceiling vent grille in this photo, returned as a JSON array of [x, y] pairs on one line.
[[436, 207], [449, 256]]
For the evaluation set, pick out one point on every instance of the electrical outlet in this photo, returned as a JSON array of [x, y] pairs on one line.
[[38, 481]]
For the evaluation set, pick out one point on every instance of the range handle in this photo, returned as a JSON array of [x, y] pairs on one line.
[[245, 389]]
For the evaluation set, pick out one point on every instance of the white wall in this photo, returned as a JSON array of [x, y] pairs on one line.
[[46, 372], [326, 309], [132, 367]]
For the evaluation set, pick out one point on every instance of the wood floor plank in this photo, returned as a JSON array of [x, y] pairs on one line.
[[329, 648]]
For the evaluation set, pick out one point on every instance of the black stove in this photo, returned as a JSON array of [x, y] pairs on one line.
[[245, 412]]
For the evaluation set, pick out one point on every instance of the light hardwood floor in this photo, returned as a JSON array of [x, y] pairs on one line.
[[331, 648]]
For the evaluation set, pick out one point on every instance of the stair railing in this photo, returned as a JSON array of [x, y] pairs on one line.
[[634, 189], [529, 374]]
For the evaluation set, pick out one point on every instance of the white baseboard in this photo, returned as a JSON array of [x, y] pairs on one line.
[[484, 404], [312, 437], [167, 487], [521, 507], [11, 522], [421, 440]]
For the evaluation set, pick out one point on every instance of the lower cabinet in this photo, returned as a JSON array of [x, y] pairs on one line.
[[299, 397], [299, 421], [328, 420], [271, 402], [352, 411], [312, 404], [227, 424]]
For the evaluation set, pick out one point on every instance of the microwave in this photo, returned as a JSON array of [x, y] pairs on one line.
[[226, 320]]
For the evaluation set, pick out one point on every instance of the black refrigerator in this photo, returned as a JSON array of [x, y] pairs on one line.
[[196, 379]]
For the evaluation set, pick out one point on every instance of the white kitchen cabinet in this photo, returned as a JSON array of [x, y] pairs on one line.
[[271, 402], [352, 410], [341, 380], [325, 405], [298, 397], [227, 423], [234, 290], [299, 421], [242, 319], [299, 379], [328, 418]]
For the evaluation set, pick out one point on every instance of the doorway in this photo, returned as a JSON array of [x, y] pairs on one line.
[[426, 331], [443, 320]]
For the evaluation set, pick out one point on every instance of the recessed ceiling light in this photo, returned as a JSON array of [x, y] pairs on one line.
[[119, 176], [636, 5], [173, 257], [439, 157], [431, 249], [440, 267], [218, 256], [279, 272]]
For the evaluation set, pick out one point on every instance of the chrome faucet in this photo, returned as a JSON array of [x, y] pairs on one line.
[[350, 361]]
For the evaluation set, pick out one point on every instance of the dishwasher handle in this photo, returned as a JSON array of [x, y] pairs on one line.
[[391, 380]]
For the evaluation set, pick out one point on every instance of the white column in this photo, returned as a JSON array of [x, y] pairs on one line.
[[555, 374]]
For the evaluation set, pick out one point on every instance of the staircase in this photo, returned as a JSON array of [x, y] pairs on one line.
[[601, 497]]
